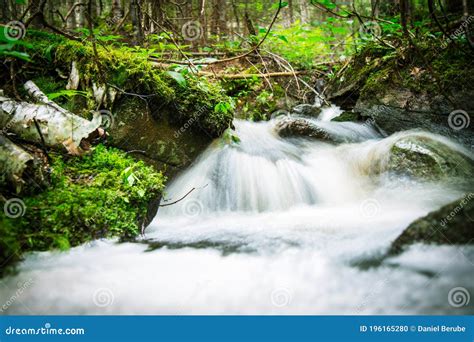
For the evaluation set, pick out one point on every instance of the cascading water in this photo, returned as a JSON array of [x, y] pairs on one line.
[[275, 226]]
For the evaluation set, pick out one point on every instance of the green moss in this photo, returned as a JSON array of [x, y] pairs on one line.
[[103, 194], [206, 103], [130, 70], [348, 116], [125, 68]]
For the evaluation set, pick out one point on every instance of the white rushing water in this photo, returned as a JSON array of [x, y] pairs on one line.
[[275, 227]]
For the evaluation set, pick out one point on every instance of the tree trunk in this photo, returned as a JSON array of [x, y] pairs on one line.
[[35, 7], [71, 20], [4, 11], [135, 15], [79, 16]]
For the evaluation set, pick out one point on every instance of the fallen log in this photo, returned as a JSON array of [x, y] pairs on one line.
[[16, 165], [46, 122]]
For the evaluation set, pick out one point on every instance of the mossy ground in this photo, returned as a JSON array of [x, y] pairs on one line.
[[103, 194], [129, 71], [421, 67]]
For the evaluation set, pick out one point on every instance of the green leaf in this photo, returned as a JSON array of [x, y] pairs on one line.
[[283, 4], [20, 55], [66, 93], [131, 180], [178, 77]]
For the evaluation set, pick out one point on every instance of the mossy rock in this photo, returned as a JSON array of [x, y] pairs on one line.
[[424, 158], [306, 110], [348, 116], [152, 137], [101, 195], [452, 224]]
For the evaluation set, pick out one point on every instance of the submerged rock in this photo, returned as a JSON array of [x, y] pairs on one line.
[[301, 128], [452, 224], [425, 158], [306, 110]]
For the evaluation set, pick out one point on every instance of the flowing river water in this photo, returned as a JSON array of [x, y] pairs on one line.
[[275, 226]]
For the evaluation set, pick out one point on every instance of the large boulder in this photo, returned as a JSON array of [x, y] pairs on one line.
[[154, 139], [424, 157], [397, 93], [452, 224]]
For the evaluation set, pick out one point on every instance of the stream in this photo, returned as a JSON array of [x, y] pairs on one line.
[[275, 226]]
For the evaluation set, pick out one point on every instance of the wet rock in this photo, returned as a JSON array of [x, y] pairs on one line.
[[452, 224], [348, 116], [301, 128], [279, 113], [306, 110], [153, 138], [425, 158]]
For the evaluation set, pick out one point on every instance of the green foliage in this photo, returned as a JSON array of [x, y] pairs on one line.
[[304, 45], [205, 102], [66, 93], [130, 69], [103, 194], [12, 48]]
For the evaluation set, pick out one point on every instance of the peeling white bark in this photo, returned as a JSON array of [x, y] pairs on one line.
[[58, 126], [74, 78], [13, 162], [103, 96]]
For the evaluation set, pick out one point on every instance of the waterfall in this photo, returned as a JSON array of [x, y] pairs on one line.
[[274, 226], [263, 172]]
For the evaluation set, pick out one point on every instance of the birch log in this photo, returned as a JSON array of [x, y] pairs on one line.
[[14, 161], [58, 127]]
